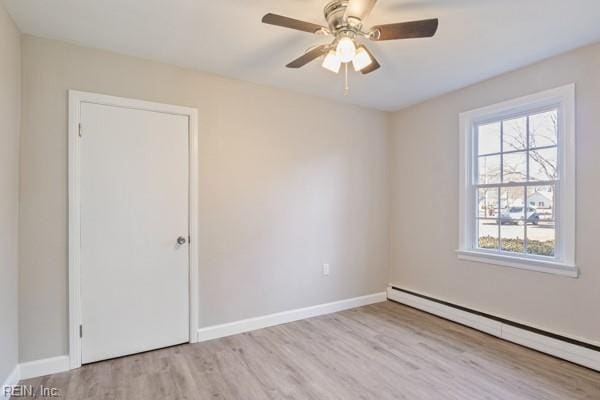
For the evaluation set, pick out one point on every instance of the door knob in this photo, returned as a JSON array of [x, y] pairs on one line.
[[181, 240]]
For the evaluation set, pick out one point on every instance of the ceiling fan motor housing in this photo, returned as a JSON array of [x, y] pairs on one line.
[[334, 14]]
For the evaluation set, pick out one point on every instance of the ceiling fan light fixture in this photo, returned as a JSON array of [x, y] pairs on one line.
[[346, 49], [345, 23], [362, 59], [332, 62]]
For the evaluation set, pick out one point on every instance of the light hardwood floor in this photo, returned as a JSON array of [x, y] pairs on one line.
[[382, 351]]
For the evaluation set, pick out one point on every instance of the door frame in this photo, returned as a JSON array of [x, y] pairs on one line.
[[76, 98]]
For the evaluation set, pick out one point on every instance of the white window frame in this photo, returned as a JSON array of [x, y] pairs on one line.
[[563, 98]]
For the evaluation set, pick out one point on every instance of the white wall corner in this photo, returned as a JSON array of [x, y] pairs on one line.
[[11, 380], [265, 321]]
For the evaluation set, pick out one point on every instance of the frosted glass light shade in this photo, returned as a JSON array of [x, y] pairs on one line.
[[346, 49], [332, 62], [362, 59]]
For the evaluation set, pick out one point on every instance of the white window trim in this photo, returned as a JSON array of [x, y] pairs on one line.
[[564, 263]]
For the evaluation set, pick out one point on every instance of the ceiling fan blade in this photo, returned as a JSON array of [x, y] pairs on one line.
[[359, 8], [405, 30], [286, 22], [371, 67], [309, 56]]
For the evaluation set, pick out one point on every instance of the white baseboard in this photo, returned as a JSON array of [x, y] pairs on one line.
[[250, 324], [42, 367], [33, 369], [577, 354], [11, 380], [58, 364]]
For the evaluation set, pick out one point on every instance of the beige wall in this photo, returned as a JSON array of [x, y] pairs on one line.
[[287, 182], [10, 116], [424, 232]]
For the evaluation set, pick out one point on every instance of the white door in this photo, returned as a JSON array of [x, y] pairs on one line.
[[134, 208]]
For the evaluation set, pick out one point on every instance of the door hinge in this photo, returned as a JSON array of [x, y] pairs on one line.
[[79, 130], [80, 331]]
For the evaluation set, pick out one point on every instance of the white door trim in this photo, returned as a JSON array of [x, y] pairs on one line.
[[75, 100]]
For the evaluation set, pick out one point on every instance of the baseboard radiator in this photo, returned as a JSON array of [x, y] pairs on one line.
[[569, 349]]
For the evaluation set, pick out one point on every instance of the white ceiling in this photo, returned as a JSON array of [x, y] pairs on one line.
[[476, 39]]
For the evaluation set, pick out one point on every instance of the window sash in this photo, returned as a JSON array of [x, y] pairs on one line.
[[526, 183], [527, 114], [499, 219]]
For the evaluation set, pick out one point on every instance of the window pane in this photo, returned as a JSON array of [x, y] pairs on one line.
[[489, 169], [487, 200], [489, 138], [512, 237], [543, 165], [541, 200], [511, 204], [541, 239], [543, 129], [487, 234], [515, 134], [515, 167]]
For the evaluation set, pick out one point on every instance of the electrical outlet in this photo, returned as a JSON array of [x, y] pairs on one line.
[[325, 269]]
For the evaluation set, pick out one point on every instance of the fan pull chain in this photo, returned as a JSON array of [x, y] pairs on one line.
[[347, 86]]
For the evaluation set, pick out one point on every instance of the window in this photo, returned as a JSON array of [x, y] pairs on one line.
[[517, 193]]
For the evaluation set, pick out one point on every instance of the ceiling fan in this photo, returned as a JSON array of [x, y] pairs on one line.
[[345, 19]]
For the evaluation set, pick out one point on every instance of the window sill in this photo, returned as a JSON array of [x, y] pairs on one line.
[[549, 267]]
